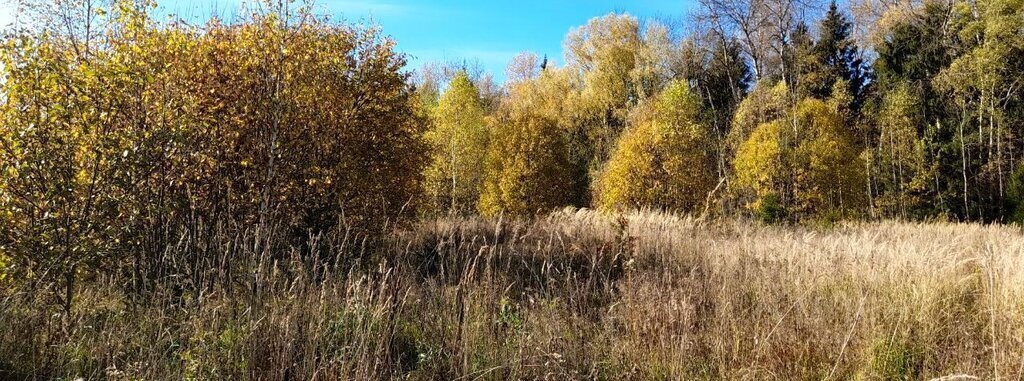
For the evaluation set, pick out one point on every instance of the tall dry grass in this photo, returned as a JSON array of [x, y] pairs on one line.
[[574, 295]]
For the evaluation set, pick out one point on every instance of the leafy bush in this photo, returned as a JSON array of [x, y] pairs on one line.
[[805, 162], [662, 162], [282, 119], [769, 209], [527, 170]]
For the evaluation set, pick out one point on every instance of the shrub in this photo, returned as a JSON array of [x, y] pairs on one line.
[[269, 122], [322, 125], [829, 171], [663, 162], [769, 209], [527, 169], [760, 164], [805, 162]]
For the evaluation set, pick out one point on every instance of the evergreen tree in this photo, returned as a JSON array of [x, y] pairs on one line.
[[816, 66], [985, 85], [806, 71], [910, 53], [840, 57]]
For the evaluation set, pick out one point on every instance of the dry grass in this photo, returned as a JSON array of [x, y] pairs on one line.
[[575, 295]]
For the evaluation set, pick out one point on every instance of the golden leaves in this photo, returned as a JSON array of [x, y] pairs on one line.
[[173, 120], [663, 161], [804, 160]]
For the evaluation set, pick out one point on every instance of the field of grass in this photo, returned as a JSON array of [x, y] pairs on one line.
[[574, 295]]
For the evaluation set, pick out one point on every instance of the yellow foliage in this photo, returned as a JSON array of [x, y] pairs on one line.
[[899, 160], [299, 125], [759, 162], [663, 162], [5, 263], [829, 171], [527, 168], [764, 104], [459, 136], [805, 161], [606, 50], [617, 64]]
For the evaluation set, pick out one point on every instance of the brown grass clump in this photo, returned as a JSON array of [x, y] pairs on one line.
[[573, 295]]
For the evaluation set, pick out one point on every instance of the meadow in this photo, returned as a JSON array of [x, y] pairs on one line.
[[575, 294], [752, 190]]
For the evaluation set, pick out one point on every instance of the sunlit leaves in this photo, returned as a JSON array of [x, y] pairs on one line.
[[804, 161], [459, 137], [282, 116], [663, 161], [527, 167]]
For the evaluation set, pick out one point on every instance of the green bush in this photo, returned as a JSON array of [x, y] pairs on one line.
[[897, 360], [770, 210]]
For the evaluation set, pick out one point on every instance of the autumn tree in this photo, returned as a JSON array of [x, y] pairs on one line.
[[109, 146], [913, 46], [803, 165], [765, 103], [829, 177], [606, 51], [527, 168], [76, 148], [985, 84], [761, 169], [664, 160], [460, 136], [276, 85], [617, 62], [902, 170], [54, 200]]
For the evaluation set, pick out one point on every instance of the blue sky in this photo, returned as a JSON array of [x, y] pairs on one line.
[[489, 32]]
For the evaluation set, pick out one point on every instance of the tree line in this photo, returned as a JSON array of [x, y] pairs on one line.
[[119, 130], [880, 110]]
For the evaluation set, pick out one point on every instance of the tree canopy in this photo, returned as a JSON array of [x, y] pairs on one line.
[[459, 137], [663, 160]]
